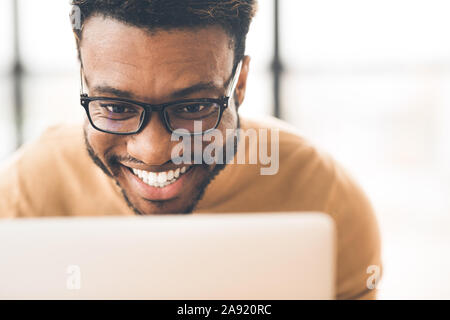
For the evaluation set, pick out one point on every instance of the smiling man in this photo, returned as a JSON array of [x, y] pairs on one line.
[[152, 70]]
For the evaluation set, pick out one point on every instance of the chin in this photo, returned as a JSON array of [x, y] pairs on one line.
[[148, 207]]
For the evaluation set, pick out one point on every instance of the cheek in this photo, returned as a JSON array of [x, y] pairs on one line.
[[99, 141], [229, 119]]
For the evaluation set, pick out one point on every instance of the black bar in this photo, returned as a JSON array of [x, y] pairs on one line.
[[226, 309], [17, 77]]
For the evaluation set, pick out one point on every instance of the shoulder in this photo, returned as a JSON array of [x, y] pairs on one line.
[[311, 180], [57, 146], [291, 143], [305, 173], [44, 175], [303, 162], [359, 243], [59, 139]]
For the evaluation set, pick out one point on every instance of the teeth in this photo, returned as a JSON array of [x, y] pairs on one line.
[[162, 177], [152, 177], [159, 179]]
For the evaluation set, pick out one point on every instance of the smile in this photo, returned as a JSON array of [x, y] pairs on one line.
[[160, 179]]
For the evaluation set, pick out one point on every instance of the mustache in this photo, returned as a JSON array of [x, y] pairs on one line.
[[115, 159]]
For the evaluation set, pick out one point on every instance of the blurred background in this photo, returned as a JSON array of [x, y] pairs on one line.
[[367, 81]]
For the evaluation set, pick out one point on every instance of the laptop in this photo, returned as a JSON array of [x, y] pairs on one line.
[[189, 257]]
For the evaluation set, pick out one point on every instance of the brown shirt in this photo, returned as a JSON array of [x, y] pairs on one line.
[[54, 176]]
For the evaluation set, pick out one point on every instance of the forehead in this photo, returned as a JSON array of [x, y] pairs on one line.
[[152, 64]]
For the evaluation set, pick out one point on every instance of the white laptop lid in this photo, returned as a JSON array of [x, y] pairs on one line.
[[203, 256]]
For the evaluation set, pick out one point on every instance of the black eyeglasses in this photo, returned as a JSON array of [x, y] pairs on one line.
[[185, 117]]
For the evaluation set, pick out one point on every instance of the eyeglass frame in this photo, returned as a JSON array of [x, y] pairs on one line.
[[223, 103]]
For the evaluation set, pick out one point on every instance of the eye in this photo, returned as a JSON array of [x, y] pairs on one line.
[[192, 108], [118, 108]]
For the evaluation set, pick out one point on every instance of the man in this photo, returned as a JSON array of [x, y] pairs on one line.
[[153, 70]]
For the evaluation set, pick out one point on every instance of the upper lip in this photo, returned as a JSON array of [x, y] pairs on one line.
[[157, 169]]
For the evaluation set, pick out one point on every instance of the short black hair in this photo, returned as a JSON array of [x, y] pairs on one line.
[[234, 16]]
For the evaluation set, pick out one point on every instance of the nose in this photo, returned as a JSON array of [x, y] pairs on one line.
[[152, 144]]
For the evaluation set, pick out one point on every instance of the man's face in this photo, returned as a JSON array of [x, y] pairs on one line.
[[123, 61]]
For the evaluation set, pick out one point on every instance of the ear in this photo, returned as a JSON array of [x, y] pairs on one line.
[[242, 82]]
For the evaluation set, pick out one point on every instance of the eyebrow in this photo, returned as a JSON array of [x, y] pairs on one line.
[[180, 93]]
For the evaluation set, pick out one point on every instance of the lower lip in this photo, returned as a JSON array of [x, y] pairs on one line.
[[158, 194]]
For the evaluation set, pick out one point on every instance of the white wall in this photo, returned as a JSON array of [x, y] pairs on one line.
[[369, 82]]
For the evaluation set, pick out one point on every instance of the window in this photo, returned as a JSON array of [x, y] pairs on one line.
[[7, 127]]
